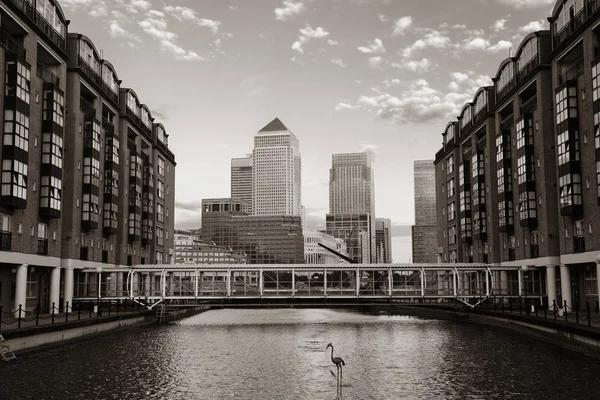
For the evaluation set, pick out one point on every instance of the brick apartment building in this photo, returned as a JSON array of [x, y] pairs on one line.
[[87, 176]]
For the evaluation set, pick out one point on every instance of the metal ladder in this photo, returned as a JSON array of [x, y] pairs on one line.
[[5, 351]]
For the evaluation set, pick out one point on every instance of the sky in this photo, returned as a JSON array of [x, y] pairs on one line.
[[383, 76]]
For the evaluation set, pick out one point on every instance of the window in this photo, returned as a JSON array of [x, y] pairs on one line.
[[528, 53], [564, 14], [47, 9], [450, 164], [481, 102], [452, 235], [452, 211], [16, 129], [32, 285], [527, 206], [132, 103], [108, 76], [160, 212], [591, 281], [450, 133], [161, 135], [505, 213], [86, 52], [466, 117], [506, 76], [160, 189], [578, 229], [159, 257], [161, 166], [42, 231], [160, 236]]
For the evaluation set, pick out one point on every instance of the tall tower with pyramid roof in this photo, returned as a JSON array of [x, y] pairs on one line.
[[276, 171]]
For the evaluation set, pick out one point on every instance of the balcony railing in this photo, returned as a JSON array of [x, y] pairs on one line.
[[87, 107], [108, 92], [47, 75], [5, 240], [480, 115], [507, 122], [506, 89], [136, 119], [579, 244], [11, 44], [529, 105], [573, 24], [572, 72], [89, 72], [42, 246], [34, 16], [527, 69], [108, 126]]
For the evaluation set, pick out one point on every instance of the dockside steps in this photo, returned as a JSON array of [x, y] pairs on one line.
[[5, 351]]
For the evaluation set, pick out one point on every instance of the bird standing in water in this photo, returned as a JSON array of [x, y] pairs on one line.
[[338, 363]]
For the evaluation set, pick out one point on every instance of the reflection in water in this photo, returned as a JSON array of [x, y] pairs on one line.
[[280, 354]]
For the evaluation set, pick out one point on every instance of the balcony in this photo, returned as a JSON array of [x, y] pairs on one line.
[[86, 107], [47, 76], [597, 51], [11, 45], [5, 240], [109, 127], [507, 122], [527, 69], [132, 115], [579, 244], [42, 247], [578, 20], [109, 93], [40, 22], [529, 105], [479, 115], [89, 72], [572, 72], [84, 253], [502, 93]]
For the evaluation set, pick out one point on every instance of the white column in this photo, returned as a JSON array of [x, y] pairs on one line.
[[228, 283], [293, 283], [325, 283], [55, 288], [565, 285], [390, 281], [551, 284], [69, 288], [358, 282], [520, 275], [422, 282], [260, 282], [21, 289]]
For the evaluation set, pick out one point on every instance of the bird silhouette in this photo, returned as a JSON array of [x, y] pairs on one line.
[[338, 363]]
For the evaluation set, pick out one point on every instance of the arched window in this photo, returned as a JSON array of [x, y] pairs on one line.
[[528, 53], [506, 76]]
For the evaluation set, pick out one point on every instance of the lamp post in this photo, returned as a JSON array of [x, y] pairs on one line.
[[525, 268]]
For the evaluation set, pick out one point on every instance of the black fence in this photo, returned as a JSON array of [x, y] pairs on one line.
[[26, 318]]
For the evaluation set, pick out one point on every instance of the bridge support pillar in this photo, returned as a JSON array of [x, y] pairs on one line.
[[565, 285], [551, 284], [261, 282]]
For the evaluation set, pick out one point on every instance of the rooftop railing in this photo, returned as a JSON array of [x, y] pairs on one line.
[[38, 20]]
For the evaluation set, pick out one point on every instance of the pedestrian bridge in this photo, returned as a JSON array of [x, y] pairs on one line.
[[166, 282]]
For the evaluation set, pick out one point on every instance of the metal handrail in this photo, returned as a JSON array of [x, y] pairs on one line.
[[574, 70], [11, 44], [47, 76]]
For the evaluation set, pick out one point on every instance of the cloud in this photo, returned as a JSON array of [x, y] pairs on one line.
[[422, 65], [530, 4], [375, 62], [155, 25], [366, 147], [499, 25], [534, 26], [376, 46], [401, 25], [135, 6], [95, 8], [115, 30], [417, 102], [433, 39], [289, 10], [383, 18], [339, 62], [332, 42], [344, 106], [482, 44], [307, 34], [185, 13]]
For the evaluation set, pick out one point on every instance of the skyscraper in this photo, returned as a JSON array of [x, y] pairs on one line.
[[241, 180], [383, 240], [424, 233], [276, 171], [352, 204]]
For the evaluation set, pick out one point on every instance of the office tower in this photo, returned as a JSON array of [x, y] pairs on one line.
[[424, 232], [276, 171], [87, 176], [189, 249], [383, 240], [269, 239], [352, 204], [315, 254], [241, 180]]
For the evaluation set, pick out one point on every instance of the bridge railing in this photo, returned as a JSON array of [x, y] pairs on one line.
[[372, 281]]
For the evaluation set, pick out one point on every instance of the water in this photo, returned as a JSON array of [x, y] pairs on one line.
[[280, 354]]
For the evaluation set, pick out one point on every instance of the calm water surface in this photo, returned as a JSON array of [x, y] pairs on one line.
[[280, 354]]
